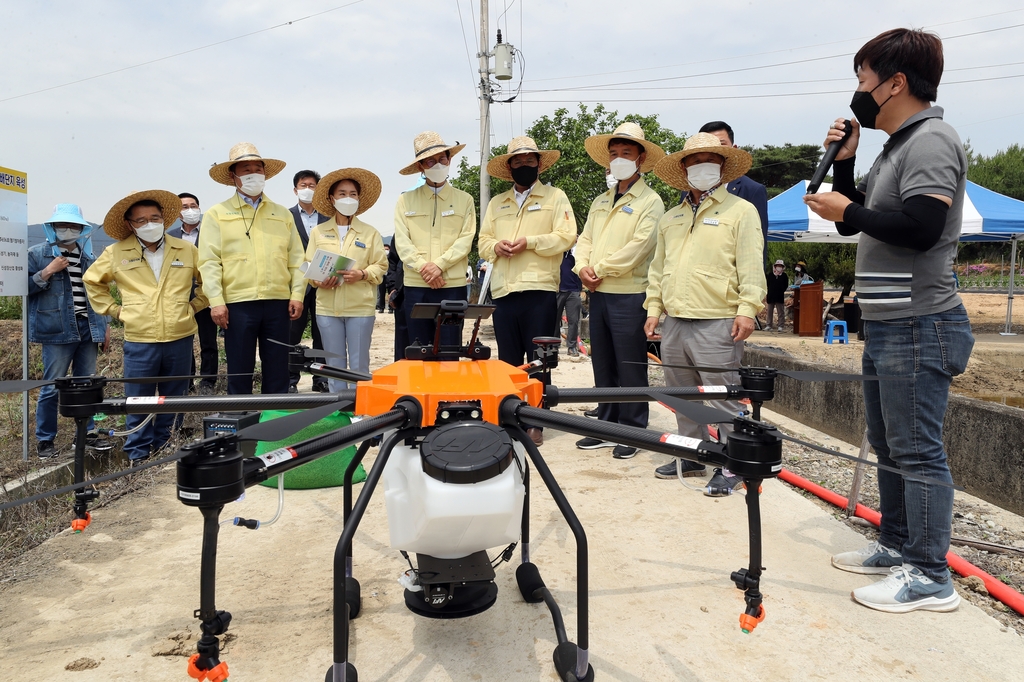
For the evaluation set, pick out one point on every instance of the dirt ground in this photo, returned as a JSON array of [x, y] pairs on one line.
[[115, 602]]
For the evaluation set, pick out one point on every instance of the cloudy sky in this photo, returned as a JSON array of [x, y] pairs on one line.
[[104, 97]]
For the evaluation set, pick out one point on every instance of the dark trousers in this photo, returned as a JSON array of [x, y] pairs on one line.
[[423, 330], [518, 319], [209, 355], [569, 301], [382, 294], [401, 333], [251, 323], [617, 337], [299, 326]]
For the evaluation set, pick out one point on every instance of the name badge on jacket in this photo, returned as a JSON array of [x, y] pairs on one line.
[[177, 264], [535, 207], [445, 214], [360, 244], [627, 209], [711, 221]]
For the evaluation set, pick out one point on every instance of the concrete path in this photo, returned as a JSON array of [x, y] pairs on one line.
[[116, 602]]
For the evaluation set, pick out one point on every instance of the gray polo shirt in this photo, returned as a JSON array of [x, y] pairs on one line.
[[924, 156]]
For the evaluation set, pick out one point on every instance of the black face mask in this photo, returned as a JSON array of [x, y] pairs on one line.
[[525, 176], [865, 108]]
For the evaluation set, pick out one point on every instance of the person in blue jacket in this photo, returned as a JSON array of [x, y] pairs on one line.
[[60, 317]]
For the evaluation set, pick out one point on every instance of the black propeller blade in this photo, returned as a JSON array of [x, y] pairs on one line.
[[842, 455], [283, 427], [693, 411], [792, 373], [309, 352], [20, 385]]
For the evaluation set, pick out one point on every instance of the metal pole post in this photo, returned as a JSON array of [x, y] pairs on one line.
[[485, 111], [1009, 298], [24, 375]]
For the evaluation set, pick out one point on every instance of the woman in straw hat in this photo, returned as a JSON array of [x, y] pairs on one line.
[[707, 278], [154, 274], [345, 304]]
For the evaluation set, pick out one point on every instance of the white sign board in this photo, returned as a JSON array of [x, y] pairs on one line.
[[13, 232]]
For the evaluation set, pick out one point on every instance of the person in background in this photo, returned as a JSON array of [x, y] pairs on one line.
[[778, 282], [569, 288], [708, 279], [60, 317], [209, 355], [908, 210], [434, 228], [396, 300], [251, 259], [306, 217], [802, 276], [382, 288], [155, 274], [612, 258], [523, 234], [345, 303]]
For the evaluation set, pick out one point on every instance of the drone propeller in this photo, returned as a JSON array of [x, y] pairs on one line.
[[693, 411], [274, 430], [791, 373], [21, 385], [309, 352]]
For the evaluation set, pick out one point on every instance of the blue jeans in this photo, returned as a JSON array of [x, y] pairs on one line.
[[57, 359], [170, 358], [349, 337], [904, 420]]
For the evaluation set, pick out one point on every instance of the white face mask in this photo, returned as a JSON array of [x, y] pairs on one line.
[[305, 195], [150, 232], [622, 169], [191, 216], [346, 206], [67, 234], [778, 269], [610, 181], [437, 173], [704, 176], [253, 184]]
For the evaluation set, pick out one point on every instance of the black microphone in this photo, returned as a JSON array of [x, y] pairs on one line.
[[826, 161]]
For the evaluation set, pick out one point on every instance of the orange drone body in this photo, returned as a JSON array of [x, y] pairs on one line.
[[433, 382]]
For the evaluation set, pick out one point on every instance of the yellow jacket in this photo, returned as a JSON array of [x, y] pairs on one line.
[[708, 266], [547, 222], [435, 228], [152, 312], [618, 240], [263, 265], [363, 244]]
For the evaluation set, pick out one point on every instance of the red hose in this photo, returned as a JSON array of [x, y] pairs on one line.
[[995, 587]]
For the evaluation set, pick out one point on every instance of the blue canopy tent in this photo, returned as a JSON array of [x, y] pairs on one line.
[[987, 216]]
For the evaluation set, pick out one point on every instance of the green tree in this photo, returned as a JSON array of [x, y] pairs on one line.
[[834, 263], [575, 173], [1002, 172], [779, 168]]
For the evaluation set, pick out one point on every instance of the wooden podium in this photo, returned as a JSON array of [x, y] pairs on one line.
[[807, 302]]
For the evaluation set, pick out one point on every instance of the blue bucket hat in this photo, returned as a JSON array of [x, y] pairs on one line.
[[68, 213]]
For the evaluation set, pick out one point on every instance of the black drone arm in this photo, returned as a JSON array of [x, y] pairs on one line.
[[220, 403], [631, 394]]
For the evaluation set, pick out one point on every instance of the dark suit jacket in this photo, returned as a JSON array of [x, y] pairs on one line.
[[301, 227], [175, 231]]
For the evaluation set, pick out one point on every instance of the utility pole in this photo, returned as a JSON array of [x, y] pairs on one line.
[[485, 111]]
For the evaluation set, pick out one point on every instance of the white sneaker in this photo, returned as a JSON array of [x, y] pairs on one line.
[[907, 589], [875, 559]]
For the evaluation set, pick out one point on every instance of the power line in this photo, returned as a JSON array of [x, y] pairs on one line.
[[179, 54], [462, 25]]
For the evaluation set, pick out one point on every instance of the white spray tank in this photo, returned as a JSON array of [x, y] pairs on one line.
[[458, 491]]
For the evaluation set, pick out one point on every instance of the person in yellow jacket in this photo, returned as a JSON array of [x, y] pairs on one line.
[[523, 234], [612, 257], [154, 274], [346, 304], [251, 258], [434, 229], [707, 278]]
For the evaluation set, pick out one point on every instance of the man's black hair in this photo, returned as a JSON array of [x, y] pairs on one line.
[[302, 175], [715, 126], [622, 140], [186, 195], [148, 203], [912, 52]]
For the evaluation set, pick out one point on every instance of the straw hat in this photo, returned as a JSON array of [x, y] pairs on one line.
[[498, 166], [244, 151], [116, 226], [597, 145], [737, 161], [369, 189], [427, 144]]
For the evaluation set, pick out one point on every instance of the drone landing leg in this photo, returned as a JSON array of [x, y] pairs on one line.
[[206, 665], [571, 661], [344, 609], [82, 497], [749, 579]]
